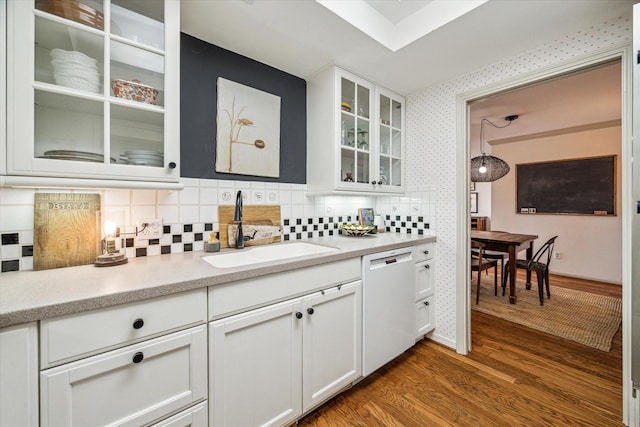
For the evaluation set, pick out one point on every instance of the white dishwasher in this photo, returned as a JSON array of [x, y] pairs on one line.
[[388, 292]]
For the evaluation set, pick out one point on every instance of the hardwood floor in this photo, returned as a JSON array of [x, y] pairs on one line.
[[514, 376]]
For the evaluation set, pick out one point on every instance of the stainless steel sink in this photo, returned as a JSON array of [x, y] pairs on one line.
[[273, 252]]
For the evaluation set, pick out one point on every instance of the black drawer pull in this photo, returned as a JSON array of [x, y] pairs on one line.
[[426, 252], [298, 315], [138, 323], [426, 303], [310, 310], [138, 357]]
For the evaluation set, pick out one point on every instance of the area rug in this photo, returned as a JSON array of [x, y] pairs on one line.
[[585, 318]]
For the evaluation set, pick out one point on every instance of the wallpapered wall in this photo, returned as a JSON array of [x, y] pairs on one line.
[[431, 142]]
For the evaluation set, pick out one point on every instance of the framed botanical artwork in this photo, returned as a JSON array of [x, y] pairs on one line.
[[474, 203], [248, 130]]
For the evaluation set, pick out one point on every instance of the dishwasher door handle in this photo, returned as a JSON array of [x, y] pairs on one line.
[[392, 260]]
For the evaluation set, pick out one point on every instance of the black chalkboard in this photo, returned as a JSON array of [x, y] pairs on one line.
[[579, 186]]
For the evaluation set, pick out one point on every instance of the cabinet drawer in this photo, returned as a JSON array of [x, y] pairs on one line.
[[423, 252], [68, 338], [425, 281], [195, 416], [143, 383], [425, 317], [244, 295]]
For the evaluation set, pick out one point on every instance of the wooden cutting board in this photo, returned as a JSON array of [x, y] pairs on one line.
[[251, 214], [65, 230]]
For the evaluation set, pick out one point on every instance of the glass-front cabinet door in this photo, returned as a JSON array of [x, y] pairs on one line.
[[391, 139], [93, 89], [355, 131]]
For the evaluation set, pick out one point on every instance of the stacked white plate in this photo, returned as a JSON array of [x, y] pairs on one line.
[[142, 158], [82, 156], [75, 70]]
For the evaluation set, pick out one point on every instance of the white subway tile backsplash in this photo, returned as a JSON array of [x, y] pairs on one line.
[[15, 196], [257, 185], [153, 250], [18, 217], [208, 195], [166, 197], [285, 211], [190, 196], [169, 214], [208, 214], [26, 237], [116, 197], [189, 214], [190, 182], [297, 197], [297, 211], [143, 197], [142, 212], [209, 183], [9, 251]]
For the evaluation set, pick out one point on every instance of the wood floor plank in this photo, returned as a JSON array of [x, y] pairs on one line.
[[514, 376]]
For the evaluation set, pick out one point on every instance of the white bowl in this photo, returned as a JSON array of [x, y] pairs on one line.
[[76, 70], [74, 55], [60, 63], [76, 82]]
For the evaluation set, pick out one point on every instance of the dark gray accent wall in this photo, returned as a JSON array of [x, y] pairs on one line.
[[201, 64]]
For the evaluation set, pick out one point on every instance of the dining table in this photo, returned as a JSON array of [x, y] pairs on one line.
[[511, 243]]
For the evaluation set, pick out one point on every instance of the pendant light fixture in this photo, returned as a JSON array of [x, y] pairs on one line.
[[489, 168]]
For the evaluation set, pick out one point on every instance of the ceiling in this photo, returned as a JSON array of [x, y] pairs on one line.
[[303, 36], [588, 97]]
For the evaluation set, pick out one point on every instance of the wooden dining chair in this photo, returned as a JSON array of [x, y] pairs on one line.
[[538, 263], [480, 264], [498, 256]]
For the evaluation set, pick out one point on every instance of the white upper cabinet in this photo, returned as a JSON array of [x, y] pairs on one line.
[[355, 135], [93, 92]]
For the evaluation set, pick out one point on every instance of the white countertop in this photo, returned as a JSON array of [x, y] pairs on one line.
[[28, 296]]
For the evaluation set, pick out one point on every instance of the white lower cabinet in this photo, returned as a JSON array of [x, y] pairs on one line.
[[425, 316], [270, 365], [19, 376], [425, 290], [331, 342], [131, 386]]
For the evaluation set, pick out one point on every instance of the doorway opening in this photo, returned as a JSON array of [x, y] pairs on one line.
[[621, 55]]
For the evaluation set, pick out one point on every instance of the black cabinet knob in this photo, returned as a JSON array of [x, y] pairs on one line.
[[380, 182], [310, 310], [426, 252], [138, 323], [373, 182], [137, 358], [172, 165], [298, 315], [426, 303], [427, 266]]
